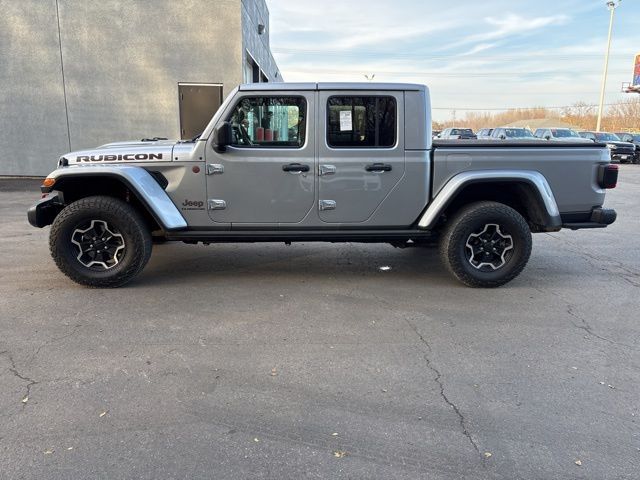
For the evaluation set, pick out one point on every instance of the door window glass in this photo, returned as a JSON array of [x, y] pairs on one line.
[[367, 122], [269, 122]]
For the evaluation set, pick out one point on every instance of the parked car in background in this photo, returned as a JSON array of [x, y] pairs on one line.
[[508, 133], [632, 138], [484, 133], [457, 134], [622, 152], [559, 135]]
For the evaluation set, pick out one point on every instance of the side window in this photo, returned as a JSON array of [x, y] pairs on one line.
[[269, 122], [366, 122]]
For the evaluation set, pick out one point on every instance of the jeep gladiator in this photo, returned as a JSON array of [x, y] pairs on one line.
[[335, 162]]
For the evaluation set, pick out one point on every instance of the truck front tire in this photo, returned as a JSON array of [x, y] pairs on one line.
[[486, 244], [100, 242]]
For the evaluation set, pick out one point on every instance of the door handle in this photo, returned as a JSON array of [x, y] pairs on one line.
[[378, 167], [295, 168]]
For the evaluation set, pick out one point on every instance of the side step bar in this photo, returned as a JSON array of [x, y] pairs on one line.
[[234, 236]]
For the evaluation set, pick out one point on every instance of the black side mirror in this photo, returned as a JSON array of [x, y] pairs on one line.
[[547, 137], [223, 137], [503, 137]]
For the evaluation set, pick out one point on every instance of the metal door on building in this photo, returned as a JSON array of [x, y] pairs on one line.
[[198, 103]]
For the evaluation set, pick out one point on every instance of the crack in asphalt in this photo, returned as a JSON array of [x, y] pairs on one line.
[[629, 275], [54, 340], [587, 328], [14, 370], [438, 379]]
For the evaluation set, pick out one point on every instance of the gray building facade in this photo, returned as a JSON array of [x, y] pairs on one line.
[[76, 73]]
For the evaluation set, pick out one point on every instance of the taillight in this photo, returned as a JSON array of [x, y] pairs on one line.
[[608, 176]]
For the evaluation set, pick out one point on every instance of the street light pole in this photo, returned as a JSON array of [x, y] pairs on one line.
[[611, 5]]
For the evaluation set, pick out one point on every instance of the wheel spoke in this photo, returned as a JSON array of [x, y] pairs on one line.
[[99, 246], [487, 249]]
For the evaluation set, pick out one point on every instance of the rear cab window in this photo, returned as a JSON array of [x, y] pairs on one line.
[[362, 121]]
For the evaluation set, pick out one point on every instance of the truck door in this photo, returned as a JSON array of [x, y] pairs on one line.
[[267, 175], [361, 153]]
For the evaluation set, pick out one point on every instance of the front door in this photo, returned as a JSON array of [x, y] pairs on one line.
[[361, 156], [267, 176]]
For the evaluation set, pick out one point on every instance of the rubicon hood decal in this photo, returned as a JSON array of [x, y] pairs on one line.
[[124, 152], [127, 157]]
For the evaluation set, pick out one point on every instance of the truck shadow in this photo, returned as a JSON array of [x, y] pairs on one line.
[[174, 262]]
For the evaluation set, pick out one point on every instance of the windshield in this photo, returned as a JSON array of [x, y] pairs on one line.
[[607, 137], [461, 131], [518, 133], [564, 133]]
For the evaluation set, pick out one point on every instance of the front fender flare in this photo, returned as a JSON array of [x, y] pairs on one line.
[[141, 184], [460, 181]]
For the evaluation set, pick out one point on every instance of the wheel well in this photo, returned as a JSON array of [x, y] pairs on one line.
[[521, 196], [75, 188]]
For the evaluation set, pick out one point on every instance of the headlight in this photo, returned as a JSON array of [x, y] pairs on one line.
[[611, 147]]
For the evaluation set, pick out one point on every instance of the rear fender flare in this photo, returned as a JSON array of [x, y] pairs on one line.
[[456, 184]]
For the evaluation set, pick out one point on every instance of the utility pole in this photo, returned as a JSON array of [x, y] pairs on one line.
[[611, 5]]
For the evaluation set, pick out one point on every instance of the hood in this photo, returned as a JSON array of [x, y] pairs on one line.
[[620, 144], [123, 152]]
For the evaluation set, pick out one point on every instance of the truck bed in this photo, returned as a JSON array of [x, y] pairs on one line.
[[513, 144]]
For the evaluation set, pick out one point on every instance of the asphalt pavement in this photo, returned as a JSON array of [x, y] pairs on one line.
[[316, 361]]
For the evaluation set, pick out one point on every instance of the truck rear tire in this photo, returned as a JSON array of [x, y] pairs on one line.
[[486, 244], [100, 242]]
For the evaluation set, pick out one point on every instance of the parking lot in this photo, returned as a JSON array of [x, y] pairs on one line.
[[313, 361]]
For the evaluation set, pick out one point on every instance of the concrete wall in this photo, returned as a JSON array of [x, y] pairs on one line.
[[255, 12], [121, 64], [33, 122]]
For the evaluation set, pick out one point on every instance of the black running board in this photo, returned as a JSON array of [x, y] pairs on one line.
[[361, 236]]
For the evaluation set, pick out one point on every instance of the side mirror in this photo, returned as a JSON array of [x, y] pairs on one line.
[[502, 137], [223, 136], [547, 137]]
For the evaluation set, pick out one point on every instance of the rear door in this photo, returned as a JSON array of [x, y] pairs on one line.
[[360, 151]]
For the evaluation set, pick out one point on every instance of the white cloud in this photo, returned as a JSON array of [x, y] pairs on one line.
[[469, 55]]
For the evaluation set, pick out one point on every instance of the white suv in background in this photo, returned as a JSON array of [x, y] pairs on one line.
[[559, 135], [457, 134]]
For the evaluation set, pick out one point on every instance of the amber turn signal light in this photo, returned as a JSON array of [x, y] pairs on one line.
[[48, 182]]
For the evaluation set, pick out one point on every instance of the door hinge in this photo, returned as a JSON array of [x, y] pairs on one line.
[[215, 168], [327, 205], [216, 204], [327, 170]]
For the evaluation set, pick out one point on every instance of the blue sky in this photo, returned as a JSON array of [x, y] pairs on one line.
[[472, 54]]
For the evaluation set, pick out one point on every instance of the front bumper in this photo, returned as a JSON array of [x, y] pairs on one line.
[[45, 211], [598, 218], [622, 156]]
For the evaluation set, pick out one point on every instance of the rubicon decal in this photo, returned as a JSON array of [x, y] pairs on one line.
[[128, 157]]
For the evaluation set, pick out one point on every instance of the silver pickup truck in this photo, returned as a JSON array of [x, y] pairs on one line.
[[335, 162]]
